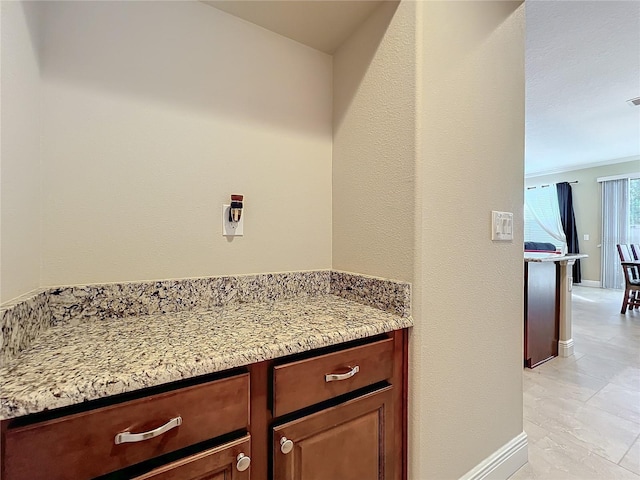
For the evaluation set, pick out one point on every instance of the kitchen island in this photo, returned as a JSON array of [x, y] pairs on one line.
[[547, 306]]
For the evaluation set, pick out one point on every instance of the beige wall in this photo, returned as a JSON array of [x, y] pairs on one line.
[[587, 207], [421, 157], [146, 132], [374, 146], [154, 113], [20, 151], [466, 350]]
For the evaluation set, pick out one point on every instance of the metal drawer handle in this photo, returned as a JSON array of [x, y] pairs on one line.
[[334, 377], [128, 437]]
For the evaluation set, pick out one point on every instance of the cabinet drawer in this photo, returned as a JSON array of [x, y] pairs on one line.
[[82, 446], [299, 384], [219, 463]]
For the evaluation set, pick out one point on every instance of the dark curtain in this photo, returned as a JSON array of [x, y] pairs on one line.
[[565, 200]]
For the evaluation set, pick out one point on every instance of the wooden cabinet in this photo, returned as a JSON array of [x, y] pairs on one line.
[[231, 461], [350, 441], [85, 445], [305, 382], [342, 409], [541, 312]]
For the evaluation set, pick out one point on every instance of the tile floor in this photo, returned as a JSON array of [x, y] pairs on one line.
[[582, 413]]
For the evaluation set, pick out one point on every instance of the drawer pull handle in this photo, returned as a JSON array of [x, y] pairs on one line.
[[243, 462], [286, 445], [128, 437], [334, 377]]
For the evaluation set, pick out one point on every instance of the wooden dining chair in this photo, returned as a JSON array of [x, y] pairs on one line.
[[630, 268]]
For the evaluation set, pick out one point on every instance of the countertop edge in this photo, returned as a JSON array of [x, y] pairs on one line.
[[10, 409], [555, 258]]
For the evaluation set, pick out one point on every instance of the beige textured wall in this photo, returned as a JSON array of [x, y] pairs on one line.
[[20, 151], [468, 136], [374, 146], [466, 349], [154, 113], [587, 207]]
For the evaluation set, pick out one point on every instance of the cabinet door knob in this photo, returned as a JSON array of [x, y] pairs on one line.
[[243, 462], [286, 445]]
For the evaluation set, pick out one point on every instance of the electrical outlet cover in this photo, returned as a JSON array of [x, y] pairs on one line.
[[231, 229]]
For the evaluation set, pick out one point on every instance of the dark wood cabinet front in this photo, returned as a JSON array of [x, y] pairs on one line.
[[303, 383], [230, 461], [351, 441], [541, 315], [340, 423], [83, 446]]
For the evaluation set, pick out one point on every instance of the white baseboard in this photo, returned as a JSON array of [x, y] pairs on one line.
[[565, 347], [589, 283], [503, 463]]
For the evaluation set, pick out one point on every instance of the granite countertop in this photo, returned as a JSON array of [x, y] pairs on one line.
[[551, 257], [70, 364]]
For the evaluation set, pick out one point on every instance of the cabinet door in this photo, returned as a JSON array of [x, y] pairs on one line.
[[351, 441], [542, 308], [220, 463]]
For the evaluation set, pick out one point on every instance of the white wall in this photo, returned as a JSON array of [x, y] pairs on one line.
[[20, 150], [587, 206], [154, 113], [466, 350], [374, 146]]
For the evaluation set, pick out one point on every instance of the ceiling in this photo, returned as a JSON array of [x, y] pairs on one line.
[[582, 65], [320, 24]]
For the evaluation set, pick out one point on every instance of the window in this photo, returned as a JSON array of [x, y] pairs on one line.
[[542, 217], [634, 210], [620, 223]]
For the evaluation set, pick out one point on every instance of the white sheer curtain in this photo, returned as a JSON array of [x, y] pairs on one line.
[[615, 229], [541, 205]]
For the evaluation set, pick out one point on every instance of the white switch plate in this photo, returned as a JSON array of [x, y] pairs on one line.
[[586, 236], [231, 229], [501, 226]]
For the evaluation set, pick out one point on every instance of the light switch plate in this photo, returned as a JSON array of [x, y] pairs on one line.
[[586, 237], [501, 226], [231, 229]]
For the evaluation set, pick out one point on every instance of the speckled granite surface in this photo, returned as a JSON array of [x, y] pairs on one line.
[[22, 320], [388, 295], [117, 300], [72, 363]]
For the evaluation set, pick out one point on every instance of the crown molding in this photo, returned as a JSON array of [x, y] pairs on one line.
[[582, 166]]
